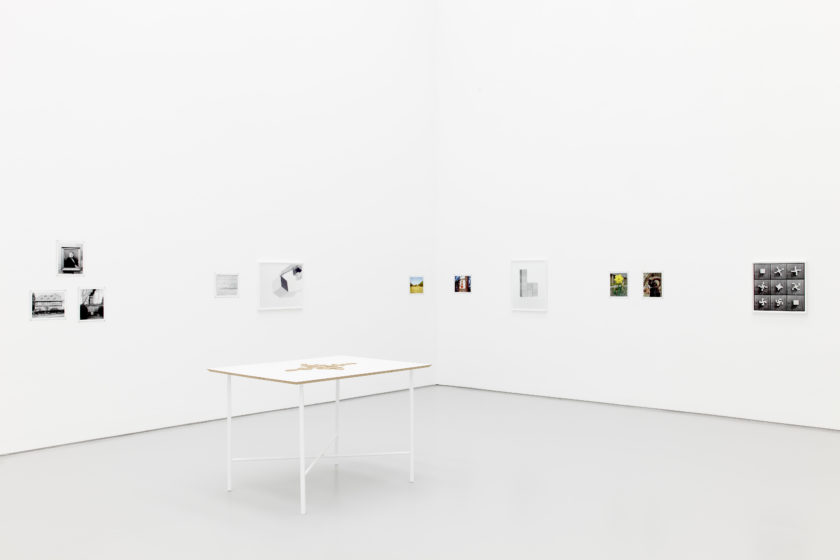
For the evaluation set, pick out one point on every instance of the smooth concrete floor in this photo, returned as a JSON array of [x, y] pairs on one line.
[[498, 476]]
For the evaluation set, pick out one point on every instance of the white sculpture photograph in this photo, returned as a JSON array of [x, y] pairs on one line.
[[529, 285], [281, 285]]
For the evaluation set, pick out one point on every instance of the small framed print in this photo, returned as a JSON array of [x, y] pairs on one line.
[[463, 284], [415, 284], [529, 285], [281, 285], [48, 304], [71, 258], [91, 304], [652, 285], [227, 285]]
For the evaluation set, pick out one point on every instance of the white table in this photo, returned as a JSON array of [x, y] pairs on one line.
[[316, 370]]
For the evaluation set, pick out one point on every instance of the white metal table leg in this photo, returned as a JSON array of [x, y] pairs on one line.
[[337, 419], [229, 432], [302, 454], [411, 425]]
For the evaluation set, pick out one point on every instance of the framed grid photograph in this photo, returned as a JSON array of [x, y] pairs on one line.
[[281, 285], [227, 285], [529, 285], [71, 258]]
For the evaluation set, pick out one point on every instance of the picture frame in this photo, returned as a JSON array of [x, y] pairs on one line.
[[226, 285], [281, 285], [529, 285], [91, 305], [70, 258], [48, 305]]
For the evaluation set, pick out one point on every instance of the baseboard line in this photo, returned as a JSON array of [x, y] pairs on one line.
[[654, 408], [83, 441]]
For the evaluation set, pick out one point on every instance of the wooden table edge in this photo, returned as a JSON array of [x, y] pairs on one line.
[[422, 366]]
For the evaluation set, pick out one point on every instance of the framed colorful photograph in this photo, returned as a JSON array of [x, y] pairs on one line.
[[415, 284], [463, 284], [529, 285], [652, 284], [618, 284]]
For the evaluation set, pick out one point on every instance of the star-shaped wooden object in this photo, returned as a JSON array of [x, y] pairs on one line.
[[310, 367]]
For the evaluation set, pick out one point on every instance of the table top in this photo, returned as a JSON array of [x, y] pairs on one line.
[[313, 370]]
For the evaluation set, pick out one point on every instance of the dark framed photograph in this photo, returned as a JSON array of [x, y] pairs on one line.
[[91, 304], [71, 258]]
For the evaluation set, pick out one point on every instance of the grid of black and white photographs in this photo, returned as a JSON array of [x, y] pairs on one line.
[[779, 287], [529, 285], [227, 285], [48, 304], [91, 304], [281, 285], [70, 258]]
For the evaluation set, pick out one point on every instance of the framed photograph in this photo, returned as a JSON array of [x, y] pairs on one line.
[[71, 258], [91, 304], [415, 284], [281, 285], [618, 284], [529, 285], [779, 286], [227, 285], [48, 304], [463, 284], [652, 284]]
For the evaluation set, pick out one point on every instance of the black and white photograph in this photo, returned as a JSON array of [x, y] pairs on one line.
[[48, 304], [779, 286], [529, 285], [71, 258], [281, 285], [227, 285], [91, 304]]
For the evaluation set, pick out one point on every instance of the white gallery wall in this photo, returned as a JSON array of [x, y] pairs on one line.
[[691, 138], [374, 140], [178, 139]]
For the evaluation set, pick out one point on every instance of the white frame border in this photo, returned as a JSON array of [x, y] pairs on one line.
[[423, 276], [238, 284], [535, 310], [259, 281]]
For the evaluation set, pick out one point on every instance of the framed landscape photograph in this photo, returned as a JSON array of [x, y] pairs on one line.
[[281, 285], [71, 258], [415, 284], [529, 285]]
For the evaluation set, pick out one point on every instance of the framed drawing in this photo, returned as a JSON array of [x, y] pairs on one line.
[[529, 285], [281, 285], [227, 285]]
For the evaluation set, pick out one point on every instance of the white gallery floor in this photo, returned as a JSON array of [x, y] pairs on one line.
[[498, 476]]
